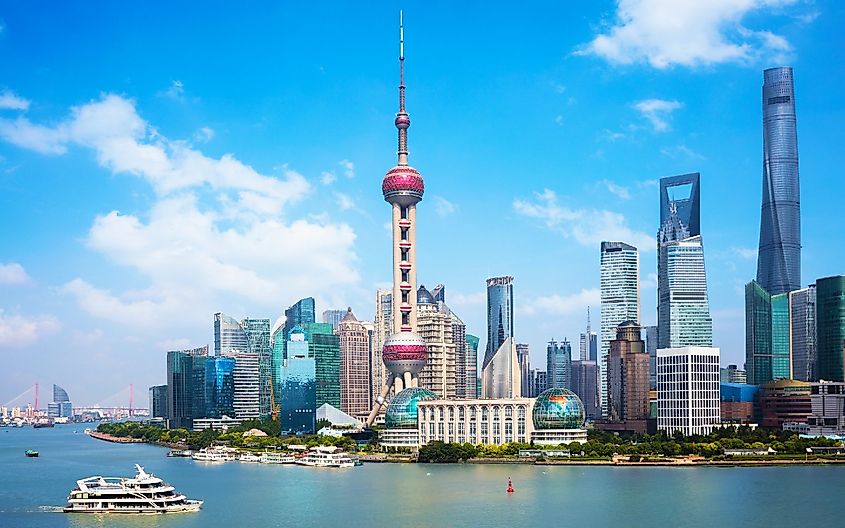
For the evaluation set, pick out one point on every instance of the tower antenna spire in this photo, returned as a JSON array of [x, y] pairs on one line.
[[403, 121]]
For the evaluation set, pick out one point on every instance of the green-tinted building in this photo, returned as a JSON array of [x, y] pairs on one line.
[[258, 342], [324, 347], [830, 328], [767, 345], [185, 393]]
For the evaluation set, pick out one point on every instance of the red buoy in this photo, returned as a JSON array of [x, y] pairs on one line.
[[510, 485]]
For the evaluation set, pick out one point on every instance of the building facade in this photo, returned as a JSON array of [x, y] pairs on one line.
[[802, 333], [61, 406], [435, 325], [472, 385], [620, 299], [688, 390], [559, 365], [158, 401], [732, 374], [585, 385], [779, 255], [524, 360], [589, 346], [354, 365], [228, 335], [830, 328], [181, 386], [767, 330], [683, 309], [324, 347], [219, 387], [628, 375], [500, 375], [298, 398], [383, 328], [650, 337], [246, 376], [784, 401], [334, 317], [257, 333], [459, 337], [499, 314]]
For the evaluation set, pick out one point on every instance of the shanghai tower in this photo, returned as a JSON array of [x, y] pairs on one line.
[[779, 255]]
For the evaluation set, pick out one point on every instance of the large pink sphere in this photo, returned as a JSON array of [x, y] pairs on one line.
[[403, 185], [404, 352]]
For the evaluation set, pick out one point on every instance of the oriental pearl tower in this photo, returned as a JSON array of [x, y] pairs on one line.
[[404, 353]]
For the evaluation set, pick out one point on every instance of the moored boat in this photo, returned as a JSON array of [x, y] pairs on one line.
[[211, 454], [326, 456], [180, 453], [249, 457], [277, 458], [144, 493], [31, 453]]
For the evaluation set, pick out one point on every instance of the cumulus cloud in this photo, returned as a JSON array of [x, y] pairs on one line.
[[13, 274], [10, 101], [615, 189], [467, 299], [691, 33], [443, 207], [745, 252], [588, 227], [657, 112], [557, 304], [344, 201], [348, 168], [20, 331], [215, 234], [327, 178], [175, 91], [204, 135]]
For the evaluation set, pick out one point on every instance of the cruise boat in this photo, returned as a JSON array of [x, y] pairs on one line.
[[326, 456], [277, 458], [249, 457], [211, 454], [145, 493], [180, 453]]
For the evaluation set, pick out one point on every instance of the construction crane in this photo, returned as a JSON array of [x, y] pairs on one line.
[[274, 407]]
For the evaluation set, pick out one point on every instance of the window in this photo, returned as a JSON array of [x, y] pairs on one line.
[[779, 99]]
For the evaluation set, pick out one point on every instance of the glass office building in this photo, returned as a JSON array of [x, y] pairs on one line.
[[779, 255], [298, 394], [181, 392], [324, 347], [158, 401], [767, 340], [219, 387], [229, 335], [257, 333], [558, 365], [499, 314], [830, 328]]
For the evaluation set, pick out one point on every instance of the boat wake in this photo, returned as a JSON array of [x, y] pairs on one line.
[[50, 509]]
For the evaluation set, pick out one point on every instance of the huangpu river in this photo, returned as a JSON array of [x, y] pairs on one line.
[[418, 495]]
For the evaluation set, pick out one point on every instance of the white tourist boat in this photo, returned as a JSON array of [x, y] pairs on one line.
[[145, 493], [249, 457], [326, 456], [277, 458], [212, 454]]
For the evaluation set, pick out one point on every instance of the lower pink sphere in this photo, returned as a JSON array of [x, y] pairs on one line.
[[404, 352]]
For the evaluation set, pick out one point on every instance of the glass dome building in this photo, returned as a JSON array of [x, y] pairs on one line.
[[558, 409], [402, 410]]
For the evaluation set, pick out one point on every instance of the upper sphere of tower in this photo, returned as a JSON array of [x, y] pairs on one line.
[[403, 121], [404, 185]]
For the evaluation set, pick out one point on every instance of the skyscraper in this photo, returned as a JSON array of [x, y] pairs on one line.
[[522, 356], [246, 382], [404, 352], [61, 406], [627, 375], [219, 387], [688, 390], [472, 388], [257, 333], [500, 376], [620, 299], [383, 328], [830, 328], [324, 347], [683, 310], [459, 337], [158, 401], [434, 325], [334, 317], [589, 342], [180, 386], [779, 256], [499, 313], [585, 385], [559, 365], [651, 349], [354, 365], [228, 335], [767, 328], [301, 313], [298, 401], [802, 333]]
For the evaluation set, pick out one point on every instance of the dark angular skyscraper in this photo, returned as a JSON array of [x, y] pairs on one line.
[[779, 256]]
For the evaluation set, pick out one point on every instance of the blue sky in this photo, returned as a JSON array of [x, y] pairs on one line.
[[159, 163]]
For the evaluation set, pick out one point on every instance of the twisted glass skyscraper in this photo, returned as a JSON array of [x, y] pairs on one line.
[[779, 255]]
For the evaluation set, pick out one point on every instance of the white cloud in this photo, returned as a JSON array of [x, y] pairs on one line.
[[327, 178], [20, 331], [610, 135], [557, 304], [745, 252], [204, 135], [10, 101], [558, 88], [559, 120], [175, 91], [588, 227], [617, 190], [344, 201], [681, 152], [348, 168], [197, 250], [467, 299], [13, 274], [443, 207], [689, 33], [657, 112]]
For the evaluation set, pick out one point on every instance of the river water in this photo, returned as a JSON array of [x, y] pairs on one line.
[[419, 495]]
